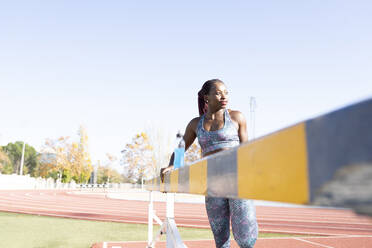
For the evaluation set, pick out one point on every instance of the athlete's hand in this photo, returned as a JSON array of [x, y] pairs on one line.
[[164, 171]]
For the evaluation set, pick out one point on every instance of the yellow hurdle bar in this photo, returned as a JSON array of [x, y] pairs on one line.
[[290, 165]]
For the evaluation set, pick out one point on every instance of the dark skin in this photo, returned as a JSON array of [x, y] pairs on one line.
[[217, 100]]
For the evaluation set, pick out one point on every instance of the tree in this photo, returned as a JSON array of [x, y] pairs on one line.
[[149, 151], [108, 175], [81, 164], [105, 173], [55, 159], [67, 160], [163, 145], [138, 159], [31, 157], [5, 163]]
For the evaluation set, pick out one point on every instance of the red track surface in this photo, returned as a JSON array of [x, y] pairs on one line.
[[347, 228]]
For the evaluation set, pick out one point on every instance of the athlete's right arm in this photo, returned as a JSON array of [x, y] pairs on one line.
[[188, 137], [190, 132]]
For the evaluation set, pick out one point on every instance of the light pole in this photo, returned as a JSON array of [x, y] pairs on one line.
[[22, 158]]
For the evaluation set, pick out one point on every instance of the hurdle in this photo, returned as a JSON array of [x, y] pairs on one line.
[[324, 161]]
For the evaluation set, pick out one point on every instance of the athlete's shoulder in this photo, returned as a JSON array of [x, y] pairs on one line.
[[236, 115], [194, 122]]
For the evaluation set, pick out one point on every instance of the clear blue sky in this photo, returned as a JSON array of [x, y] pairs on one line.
[[119, 66]]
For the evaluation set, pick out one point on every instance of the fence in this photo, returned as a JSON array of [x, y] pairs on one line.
[[26, 182], [18, 182]]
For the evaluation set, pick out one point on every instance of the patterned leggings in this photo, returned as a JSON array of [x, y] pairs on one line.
[[243, 221]]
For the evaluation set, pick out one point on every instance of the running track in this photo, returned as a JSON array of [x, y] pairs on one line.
[[343, 228]]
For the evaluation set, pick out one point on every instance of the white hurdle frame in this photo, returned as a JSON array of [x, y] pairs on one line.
[[168, 226]]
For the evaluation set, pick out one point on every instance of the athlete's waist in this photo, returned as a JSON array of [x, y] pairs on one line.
[[219, 147]]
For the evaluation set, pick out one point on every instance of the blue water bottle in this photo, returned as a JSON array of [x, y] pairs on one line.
[[179, 152]]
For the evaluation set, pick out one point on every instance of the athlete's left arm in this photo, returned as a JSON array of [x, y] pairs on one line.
[[238, 117]]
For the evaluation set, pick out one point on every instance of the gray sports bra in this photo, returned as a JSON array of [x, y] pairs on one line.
[[225, 137]]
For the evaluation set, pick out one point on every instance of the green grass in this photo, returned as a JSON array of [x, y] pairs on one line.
[[33, 231]]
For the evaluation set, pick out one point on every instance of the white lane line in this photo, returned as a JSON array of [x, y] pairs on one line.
[[314, 226], [306, 241], [68, 200], [100, 219], [180, 218], [88, 204], [328, 221], [291, 231], [72, 203], [344, 236], [290, 216], [89, 207], [123, 213], [74, 210], [120, 207], [194, 216], [118, 214], [130, 211]]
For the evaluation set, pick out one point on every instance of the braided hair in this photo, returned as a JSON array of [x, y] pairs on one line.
[[202, 104]]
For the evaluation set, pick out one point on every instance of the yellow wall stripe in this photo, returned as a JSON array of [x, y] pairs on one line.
[[275, 167], [174, 181], [198, 178]]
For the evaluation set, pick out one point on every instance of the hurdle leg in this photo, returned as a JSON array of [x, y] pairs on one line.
[[150, 220], [151, 217], [173, 236]]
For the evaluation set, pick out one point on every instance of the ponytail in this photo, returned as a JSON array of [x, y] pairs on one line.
[[202, 104]]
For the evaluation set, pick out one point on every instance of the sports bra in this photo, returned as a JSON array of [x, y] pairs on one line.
[[225, 137]]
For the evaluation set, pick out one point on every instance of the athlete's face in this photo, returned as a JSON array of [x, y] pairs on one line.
[[218, 96]]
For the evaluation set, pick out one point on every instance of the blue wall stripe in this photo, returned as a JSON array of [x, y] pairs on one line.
[[341, 138], [224, 163]]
